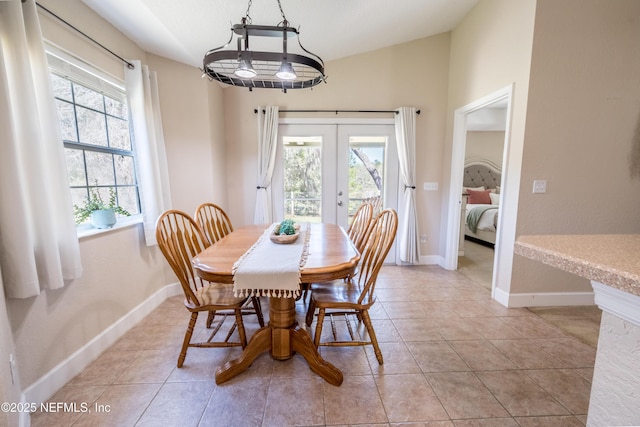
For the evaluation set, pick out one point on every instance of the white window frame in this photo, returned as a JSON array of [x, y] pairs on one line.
[[71, 68]]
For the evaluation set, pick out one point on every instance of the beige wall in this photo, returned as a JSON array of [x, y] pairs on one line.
[[369, 81], [584, 107], [119, 270], [485, 145], [491, 49]]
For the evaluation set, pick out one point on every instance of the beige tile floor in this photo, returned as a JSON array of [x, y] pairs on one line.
[[582, 323], [453, 357], [477, 263]]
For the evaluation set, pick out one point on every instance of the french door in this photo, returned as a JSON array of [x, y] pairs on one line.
[[324, 172]]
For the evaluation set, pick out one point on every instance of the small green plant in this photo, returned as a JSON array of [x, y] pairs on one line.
[[95, 203], [287, 227]]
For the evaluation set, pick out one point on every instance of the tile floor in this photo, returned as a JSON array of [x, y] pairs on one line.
[[477, 263], [453, 357]]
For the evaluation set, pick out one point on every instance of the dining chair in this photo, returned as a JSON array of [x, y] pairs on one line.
[[355, 296], [359, 227], [357, 232], [215, 224], [180, 239], [376, 202], [213, 221]]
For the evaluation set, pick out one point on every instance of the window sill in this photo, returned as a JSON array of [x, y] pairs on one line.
[[86, 230]]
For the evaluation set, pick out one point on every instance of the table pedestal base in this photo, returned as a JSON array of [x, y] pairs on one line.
[[283, 338]]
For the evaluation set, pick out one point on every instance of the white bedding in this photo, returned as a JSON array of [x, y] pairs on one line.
[[489, 219]]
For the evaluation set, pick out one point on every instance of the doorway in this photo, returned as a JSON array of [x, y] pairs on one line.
[[465, 118], [483, 154]]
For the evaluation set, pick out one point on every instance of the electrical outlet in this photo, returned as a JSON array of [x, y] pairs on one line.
[[423, 238], [540, 186], [430, 186]]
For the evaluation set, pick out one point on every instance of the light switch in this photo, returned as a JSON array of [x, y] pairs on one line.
[[430, 186], [540, 186]]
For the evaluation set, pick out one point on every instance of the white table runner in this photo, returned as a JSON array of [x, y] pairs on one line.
[[271, 269]]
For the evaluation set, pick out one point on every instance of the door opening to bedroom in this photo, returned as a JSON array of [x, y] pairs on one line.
[[481, 180]]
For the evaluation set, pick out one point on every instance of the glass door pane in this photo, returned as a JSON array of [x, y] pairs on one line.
[[302, 178], [366, 170]]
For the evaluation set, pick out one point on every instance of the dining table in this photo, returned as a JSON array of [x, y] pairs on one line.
[[329, 255]]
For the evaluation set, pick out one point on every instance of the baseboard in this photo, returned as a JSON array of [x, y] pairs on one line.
[[543, 299], [47, 385], [430, 260]]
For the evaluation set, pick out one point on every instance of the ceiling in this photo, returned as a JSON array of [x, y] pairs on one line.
[[184, 30]]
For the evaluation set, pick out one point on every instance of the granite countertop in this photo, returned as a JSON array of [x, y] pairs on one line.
[[610, 259]]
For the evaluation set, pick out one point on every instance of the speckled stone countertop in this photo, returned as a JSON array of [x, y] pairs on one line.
[[611, 259]]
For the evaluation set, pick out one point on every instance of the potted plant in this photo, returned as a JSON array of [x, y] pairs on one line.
[[102, 215]]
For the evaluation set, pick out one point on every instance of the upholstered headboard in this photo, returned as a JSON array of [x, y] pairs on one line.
[[481, 173]]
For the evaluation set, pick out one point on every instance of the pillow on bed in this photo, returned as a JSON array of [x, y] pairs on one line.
[[495, 198], [479, 197], [465, 190]]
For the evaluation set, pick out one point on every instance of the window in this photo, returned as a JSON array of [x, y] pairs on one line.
[[94, 121]]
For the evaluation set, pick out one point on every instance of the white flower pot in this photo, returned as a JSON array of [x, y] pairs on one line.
[[104, 218]]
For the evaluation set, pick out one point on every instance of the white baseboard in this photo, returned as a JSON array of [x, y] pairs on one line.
[[47, 385], [543, 299], [430, 260]]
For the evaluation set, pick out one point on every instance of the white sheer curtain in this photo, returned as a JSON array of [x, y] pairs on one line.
[[267, 143], [405, 121], [39, 246], [146, 124]]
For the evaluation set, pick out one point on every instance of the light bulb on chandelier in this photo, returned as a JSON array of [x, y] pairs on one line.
[[245, 70], [286, 72]]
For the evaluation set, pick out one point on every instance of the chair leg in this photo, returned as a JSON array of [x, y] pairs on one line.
[[187, 338], [306, 288], [241, 331], [257, 306], [372, 335], [311, 310], [210, 317], [316, 338]]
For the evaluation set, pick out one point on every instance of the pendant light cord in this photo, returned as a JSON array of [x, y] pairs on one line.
[[246, 14], [284, 18], [248, 18]]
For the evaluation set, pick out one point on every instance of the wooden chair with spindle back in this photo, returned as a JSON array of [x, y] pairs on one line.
[[358, 232], [180, 239], [215, 224], [355, 296], [359, 227], [213, 221]]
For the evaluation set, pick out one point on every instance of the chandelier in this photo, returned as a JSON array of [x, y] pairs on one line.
[[276, 68]]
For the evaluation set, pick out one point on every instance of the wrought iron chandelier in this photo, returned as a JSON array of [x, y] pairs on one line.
[[279, 69]]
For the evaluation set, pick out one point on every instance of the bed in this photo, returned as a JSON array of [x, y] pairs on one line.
[[481, 190]]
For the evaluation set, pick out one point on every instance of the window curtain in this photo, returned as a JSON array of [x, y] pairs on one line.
[[405, 124], [39, 246], [267, 143], [151, 165]]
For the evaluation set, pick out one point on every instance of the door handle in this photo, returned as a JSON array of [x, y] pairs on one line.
[[340, 203]]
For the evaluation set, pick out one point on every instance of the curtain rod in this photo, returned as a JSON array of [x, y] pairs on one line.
[[255, 111], [129, 64]]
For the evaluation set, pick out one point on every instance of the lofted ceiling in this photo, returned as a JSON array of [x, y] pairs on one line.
[[184, 30]]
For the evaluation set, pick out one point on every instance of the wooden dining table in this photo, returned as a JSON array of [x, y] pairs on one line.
[[331, 256]]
